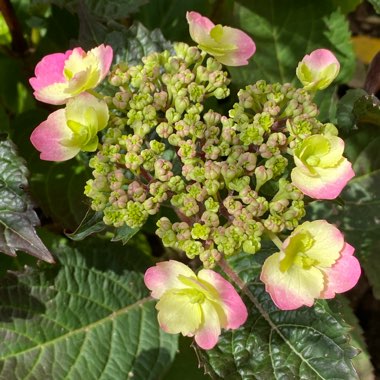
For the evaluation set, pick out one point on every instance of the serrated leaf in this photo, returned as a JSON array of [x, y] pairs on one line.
[[308, 343], [361, 362], [17, 217], [91, 318], [273, 25]]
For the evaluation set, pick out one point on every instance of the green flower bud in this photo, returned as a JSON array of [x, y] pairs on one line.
[[200, 231]]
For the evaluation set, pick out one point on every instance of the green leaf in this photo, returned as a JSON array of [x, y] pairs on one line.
[[367, 110], [110, 9], [91, 224], [287, 30], [90, 318], [345, 118], [185, 363], [362, 361], [376, 5], [308, 343], [124, 233], [347, 6], [17, 217]]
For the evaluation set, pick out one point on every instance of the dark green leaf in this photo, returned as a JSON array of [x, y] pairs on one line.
[[376, 5], [362, 361], [308, 343], [367, 110], [346, 120], [283, 35], [17, 217], [124, 234], [91, 224], [185, 363], [91, 318], [107, 10]]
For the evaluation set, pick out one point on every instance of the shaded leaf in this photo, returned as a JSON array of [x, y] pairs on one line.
[[283, 35], [367, 110], [17, 217], [345, 117], [124, 233], [362, 361], [110, 9], [308, 343], [91, 224], [91, 318], [376, 5]]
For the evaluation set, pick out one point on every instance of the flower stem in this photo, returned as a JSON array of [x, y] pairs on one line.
[[96, 94], [275, 239]]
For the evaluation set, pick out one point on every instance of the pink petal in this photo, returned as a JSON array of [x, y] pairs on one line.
[[208, 334], [291, 289], [199, 26], [329, 182], [245, 47], [233, 305], [49, 70], [164, 276], [105, 56], [319, 59], [47, 137], [344, 274]]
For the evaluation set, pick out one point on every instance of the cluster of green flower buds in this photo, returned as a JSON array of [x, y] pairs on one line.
[[226, 177]]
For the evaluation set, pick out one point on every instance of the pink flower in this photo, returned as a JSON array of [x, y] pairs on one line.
[[231, 47], [68, 131], [321, 171], [314, 262], [317, 70], [194, 305], [61, 76]]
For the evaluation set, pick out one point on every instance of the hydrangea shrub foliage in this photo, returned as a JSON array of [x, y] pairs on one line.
[[224, 180]]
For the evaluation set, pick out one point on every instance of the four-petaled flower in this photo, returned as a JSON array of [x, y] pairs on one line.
[[317, 70], [230, 46], [314, 262], [71, 129], [321, 171], [61, 76], [194, 305]]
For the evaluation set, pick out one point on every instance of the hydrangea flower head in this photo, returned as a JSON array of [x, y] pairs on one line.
[[230, 46], [321, 171], [69, 130], [61, 76], [194, 305], [314, 262], [317, 70]]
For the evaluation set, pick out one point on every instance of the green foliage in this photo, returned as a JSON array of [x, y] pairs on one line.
[[89, 318], [17, 217], [376, 5], [285, 31], [308, 343], [345, 117], [362, 361]]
